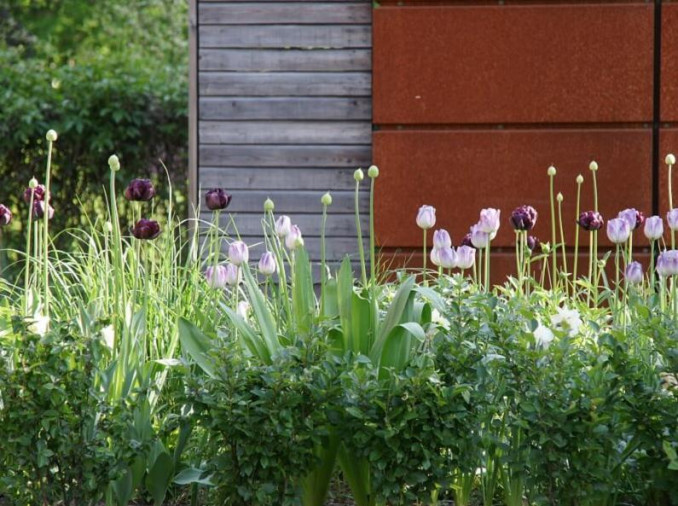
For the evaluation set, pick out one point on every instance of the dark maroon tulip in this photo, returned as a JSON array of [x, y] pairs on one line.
[[146, 229], [140, 190], [217, 199], [5, 215], [466, 241], [39, 210], [590, 220], [533, 243], [524, 217], [38, 194]]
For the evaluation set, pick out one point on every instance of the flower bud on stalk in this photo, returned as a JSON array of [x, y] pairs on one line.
[[426, 217], [216, 276], [238, 253], [294, 240], [283, 225], [358, 175], [479, 238], [140, 190], [672, 219], [373, 171], [654, 228], [466, 257], [217, 199], [326, 199], [145, 229], [269, 206], [618, 230], [590, 220], [435, 256], [232, 274], [667, 263], [114, 163], [442, 239], [524, 217], [489, 221], [448, 258], [267, 264], [37, 190], [39, 210], [634, 273], [633, 217], [533, 243]]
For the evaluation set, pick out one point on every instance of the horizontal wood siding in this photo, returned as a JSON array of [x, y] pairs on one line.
[[284, 111]]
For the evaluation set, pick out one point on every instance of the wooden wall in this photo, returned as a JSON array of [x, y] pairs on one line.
[[282, 108]]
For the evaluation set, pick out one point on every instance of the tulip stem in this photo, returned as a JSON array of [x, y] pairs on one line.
[[562, 243], [652, 273], [616, 278], [487, 267], [27, 276], [424, 274], [519, 259], [595, 268]]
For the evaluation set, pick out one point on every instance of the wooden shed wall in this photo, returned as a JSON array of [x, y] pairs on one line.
[[281, 108]]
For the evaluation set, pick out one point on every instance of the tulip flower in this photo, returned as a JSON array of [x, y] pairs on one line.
[[466, 240], [489, 221], [216, 276], [590, 220], [232, 274], [524, 218], [5, 215], [633, 217], [146, 229], [140, 190], [447, 257], [267, 264], [634, 273], [238, 253], [654, 228], [294, 240], [39, 210], [426, 217], [38, 193], [533, 243], [217, 199], [618, 230], [283, 226], [479, 238], [667, 263], [672, 219], [442, 239], [435, 256], [466, 257]]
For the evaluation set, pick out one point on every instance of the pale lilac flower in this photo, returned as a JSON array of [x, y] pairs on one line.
[[672, 219], [435, 256], [654, 228], [442, 239], [293, 240], [238, 253], [267, 264], [466, 257], [479, 238], [489, 221], [667, 263], [634, 273], [282, 226], [426, 217], [618, 230], [633, 217], [232, 275], [216, 276], [448, 259]]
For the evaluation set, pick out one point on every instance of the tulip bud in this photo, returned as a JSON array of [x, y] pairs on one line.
[[489, 221], [634, 273], [243, 309], [667, 263], [551, 171], [618, 230], [140, 190], [593, 166], [479, 238], [533, 243], [580, 179], [114, 163], [267, 264], [51, 136], [37, 191], [269, 206], [282, 226], [232, 275], [634, 218], [426, 217], [447, 257], [146, 229], [5, 215], [524, 218], [442, 239], [672, 219], [559, 197], [39, 210], [466, 257], [326, 199], [293, 240], [373, 171], [654, 228], [238, 253], [466, 240], [217, 199], [670, 159], [216, 276], [358, 175], [590, 220]]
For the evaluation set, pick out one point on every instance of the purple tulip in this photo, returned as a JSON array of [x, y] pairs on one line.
[[294, 240], [232, 274], [39, 210], [283, 225], [448, 259], [590, 220], [140, 190], [5, 215], [654, 228], [216, 276], [426, 217], [634, 273], [479, 238], [238, 253], [667, 263], [267, 264], [435, 256], [672, 219], [618, 230], [146, 229], [489, 221], [217, 199], [466, 257], [442, 239], [38, 194], [633, 217], [533, 243], [524, 218], [466, 240]]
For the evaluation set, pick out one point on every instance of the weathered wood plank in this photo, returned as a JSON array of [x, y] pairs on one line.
[[260, 13], [285, 156], [285, 60], [237, 178], [284, 132], [285, 36], [272, 108], [291, 202], [338, 225], [287, 84]]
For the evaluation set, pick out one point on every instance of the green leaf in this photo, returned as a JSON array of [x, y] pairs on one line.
[[159, 477], [397, 313], [250, 339], [193, 475], [196, 344], [262, 314], [303, 296]]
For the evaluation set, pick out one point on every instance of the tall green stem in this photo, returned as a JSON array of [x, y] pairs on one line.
[[361, 246], [425, 258], [323, 264], [45, 250], [673, 232], [562, 239], [554, 277], [575, 273], [373, 263], [27, 275], [487, 267]]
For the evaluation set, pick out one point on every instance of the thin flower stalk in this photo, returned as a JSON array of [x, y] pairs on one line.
[[554, 278], [575, 274], [358, 176], [562, 238], [27, 276], [51, 138]]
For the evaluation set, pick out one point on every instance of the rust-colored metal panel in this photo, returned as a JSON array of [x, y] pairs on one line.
[[513, 64], [460, 172], [668, 143], [669, 56]]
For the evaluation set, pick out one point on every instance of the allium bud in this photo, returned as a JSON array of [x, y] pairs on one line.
[[38, 192], [466, 240], [667, 263], [442, 239], [489, 221], [670, 159], [238, 253], [140, 190], [590, 220], [654, 228], [634, 273], [466, 257], [593, 166], [633, 217], [33, 183], [559, 197], [293, 240], [51, 136], [533, 243], [373, 171], [326, 199], [217, 199], [618, 230], [269, 206], [39, 210], [358, 175], [114, 163], [426, 217], [267, 264], [232, 274], [448, 258], [479, 238], [146, 229], [672, 219], [5, 215], [551, 171], [282, 226], [580, 179], [216, 276], [524, 218]]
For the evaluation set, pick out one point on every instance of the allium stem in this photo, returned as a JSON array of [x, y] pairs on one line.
[[576, 240], [591, 262], [562, 242], [554, 277], [673, 232], [361, 246], [595, 267], [373, 263], [48, 176], [323, 264], [27, 275]]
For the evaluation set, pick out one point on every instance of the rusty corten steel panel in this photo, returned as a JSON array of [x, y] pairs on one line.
[[668, 143], [669, 56], [460, 172], [513, 64]]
